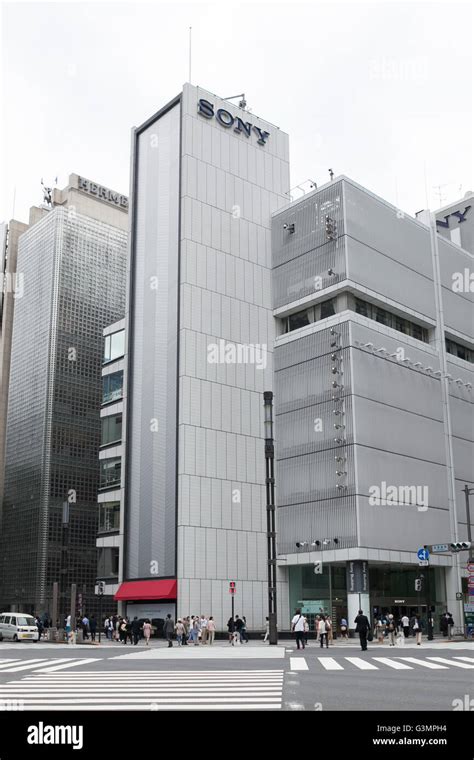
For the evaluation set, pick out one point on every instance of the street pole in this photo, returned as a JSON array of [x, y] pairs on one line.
[[233, 606], [467, 492], [271, 529]]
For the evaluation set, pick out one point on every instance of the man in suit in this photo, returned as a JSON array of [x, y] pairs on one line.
[[362, 628]]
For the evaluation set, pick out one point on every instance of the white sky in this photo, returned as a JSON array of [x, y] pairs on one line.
[[377, 91]]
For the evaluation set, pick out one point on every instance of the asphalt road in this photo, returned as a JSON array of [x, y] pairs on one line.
[[342, 678]]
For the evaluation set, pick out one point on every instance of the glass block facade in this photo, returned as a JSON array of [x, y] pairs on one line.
[[74, 273]]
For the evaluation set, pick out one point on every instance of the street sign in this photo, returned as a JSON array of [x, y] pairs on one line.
[[423, 554], [458, 596], [470, 581], [439, 548], [423, 563], [470, 567]]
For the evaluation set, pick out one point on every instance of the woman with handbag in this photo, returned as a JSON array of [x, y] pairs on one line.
[[344, 628], [323, 630]]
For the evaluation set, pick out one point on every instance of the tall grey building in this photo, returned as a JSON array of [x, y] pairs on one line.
[[72, 260], [374, 367], [206, 176]]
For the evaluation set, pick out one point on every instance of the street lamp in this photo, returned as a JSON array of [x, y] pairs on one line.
[[271, 532]]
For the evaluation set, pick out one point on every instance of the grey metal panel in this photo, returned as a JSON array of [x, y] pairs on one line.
[[315, 521], [401, 528], [308, 216], [151, 468], [300, 277]]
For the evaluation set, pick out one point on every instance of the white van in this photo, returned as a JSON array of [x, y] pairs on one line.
[[18, 626]]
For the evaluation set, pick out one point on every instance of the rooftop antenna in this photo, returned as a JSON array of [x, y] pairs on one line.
[[439, 193], [331, 174], [242, 102], [190, 40]]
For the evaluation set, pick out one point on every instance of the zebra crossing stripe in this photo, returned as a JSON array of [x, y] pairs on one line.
[[393, 663], [329, 663], [6, 663], [31, 664], [70, 664], [298, 663], [424, 663], [468, 659], [361, 664], [452, 662]]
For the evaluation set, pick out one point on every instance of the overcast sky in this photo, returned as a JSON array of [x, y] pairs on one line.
[[381, 92]]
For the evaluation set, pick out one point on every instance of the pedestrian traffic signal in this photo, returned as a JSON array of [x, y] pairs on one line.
[[460, 546], [418, 584], [232, 588]]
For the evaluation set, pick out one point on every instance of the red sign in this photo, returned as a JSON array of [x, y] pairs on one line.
[[470, 581], [470, 567], [232, 589]]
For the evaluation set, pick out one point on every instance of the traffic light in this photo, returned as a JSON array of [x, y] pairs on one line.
[[460, 546], [418, 584]]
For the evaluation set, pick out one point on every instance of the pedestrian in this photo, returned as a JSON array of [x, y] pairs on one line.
[[380, 630], [85, 627], [168, 629], [306, 630], [297, 626], [416, 626], [231, 630], [93, 627], [147, 631], [238, 627], [123, 631], [68, 628], [243, 631], [344, 628], [443, 625], [362, 628], [204, 624], [211, 630], [323, 630], [185, 622], [196, 630], [405, 625], [136, 628], [329, 631], [450, 625], [39, 626], [179, 632], [106, 627], [391, 629], [110, 630], [118, 626], [267, 629]]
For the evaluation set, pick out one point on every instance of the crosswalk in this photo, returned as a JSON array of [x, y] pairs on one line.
[[377, 663], [144, 690], [45, 664]]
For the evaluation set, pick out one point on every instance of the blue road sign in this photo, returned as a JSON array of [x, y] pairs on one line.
[[423, 554]]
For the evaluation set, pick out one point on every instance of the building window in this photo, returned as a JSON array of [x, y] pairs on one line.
[[112, 387], [462, 352], [114, 346], [394, 321], [108, 562], [327, 309], [300, 319], [110, 472], [111, 429], [109, 516]]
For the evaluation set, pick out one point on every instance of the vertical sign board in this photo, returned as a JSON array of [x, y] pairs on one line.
[[357, 574]]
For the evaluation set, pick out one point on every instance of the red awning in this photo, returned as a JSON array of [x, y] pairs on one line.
[[137, 590]]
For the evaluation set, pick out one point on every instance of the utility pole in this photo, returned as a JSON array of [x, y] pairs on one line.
[[271, 530], [467, 492]]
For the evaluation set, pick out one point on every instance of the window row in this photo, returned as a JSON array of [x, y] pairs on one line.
[[109, 516], [307, 316], [114, 346], [112, 387], [460, 351], [384, 317], [111, 429], [110, 472]]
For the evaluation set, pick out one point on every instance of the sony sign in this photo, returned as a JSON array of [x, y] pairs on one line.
[[102, 192], [226, 119], [459, 215]]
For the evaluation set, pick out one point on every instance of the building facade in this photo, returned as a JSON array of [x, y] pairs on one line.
[[206, 176], [373, 398], [73, 261]]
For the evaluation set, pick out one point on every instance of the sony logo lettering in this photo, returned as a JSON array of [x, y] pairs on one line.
[[461, 217], [226, 119]]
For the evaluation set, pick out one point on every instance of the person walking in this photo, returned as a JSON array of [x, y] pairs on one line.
[[93, 627], [416, 627], [185, 622], [211, 630], [123, 631], [380, 630], [344, 628], [297, 626], [231, 630], [168, 629], [405, 621], [136, 628], [362, 628], [238, 627], [85, 627], [243, 631], [443, 625], [179, 632], [196, 630], [306, 630], [204, 625], [267, 629], [323, 630], [450, 625], [329, 630], [147, 631], [391, 629], [118, 626]]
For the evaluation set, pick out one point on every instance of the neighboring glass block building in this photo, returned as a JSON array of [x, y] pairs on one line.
[[73, 261], [374, 425], [110, 495]]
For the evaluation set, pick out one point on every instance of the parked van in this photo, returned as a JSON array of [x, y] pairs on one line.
[[18, 626]]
